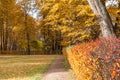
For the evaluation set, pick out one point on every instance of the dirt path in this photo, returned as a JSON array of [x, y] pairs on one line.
[[57, 71]]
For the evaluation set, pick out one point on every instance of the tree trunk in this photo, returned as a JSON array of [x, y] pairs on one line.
[[2, 34], [27, 33], [28, 43], [105, 22], [6, 35]]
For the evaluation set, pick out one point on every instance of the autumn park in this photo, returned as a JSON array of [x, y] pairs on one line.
[[59, 39]]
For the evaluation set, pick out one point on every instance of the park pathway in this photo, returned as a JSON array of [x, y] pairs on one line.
[[57, 71]]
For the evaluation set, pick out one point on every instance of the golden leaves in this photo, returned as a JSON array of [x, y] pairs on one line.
[[54, 8], [71, 17]]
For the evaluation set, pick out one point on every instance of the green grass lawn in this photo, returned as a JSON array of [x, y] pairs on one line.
[[24, 67]]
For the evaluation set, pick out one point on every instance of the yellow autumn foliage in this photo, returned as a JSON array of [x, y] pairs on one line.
[[71, 17]]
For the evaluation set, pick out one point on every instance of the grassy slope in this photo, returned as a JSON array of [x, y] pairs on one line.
[[24, 67]]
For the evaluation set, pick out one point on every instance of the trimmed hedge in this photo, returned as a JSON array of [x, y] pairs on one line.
[[95, 60], [17, 52]]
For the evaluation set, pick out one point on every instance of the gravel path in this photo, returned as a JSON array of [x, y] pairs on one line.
[[57, 71]]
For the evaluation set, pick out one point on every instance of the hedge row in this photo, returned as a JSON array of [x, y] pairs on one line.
[[17, 52], [95, 60]]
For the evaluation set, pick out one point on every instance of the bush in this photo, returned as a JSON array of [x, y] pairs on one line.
[[107, 57], [95, 60]]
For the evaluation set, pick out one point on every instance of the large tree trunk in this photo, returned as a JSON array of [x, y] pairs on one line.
[[105, 22]]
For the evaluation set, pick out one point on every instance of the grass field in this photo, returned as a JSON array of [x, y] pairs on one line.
[[24, 67]]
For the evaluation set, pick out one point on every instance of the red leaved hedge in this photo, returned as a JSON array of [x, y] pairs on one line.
[[95, 60]]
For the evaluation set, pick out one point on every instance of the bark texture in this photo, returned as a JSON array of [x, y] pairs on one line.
[[105, 22]]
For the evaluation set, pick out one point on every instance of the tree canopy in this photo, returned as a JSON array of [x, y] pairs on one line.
[[59, 23]]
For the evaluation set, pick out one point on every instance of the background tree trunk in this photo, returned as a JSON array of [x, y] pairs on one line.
[[27, 34], [105, 22]]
